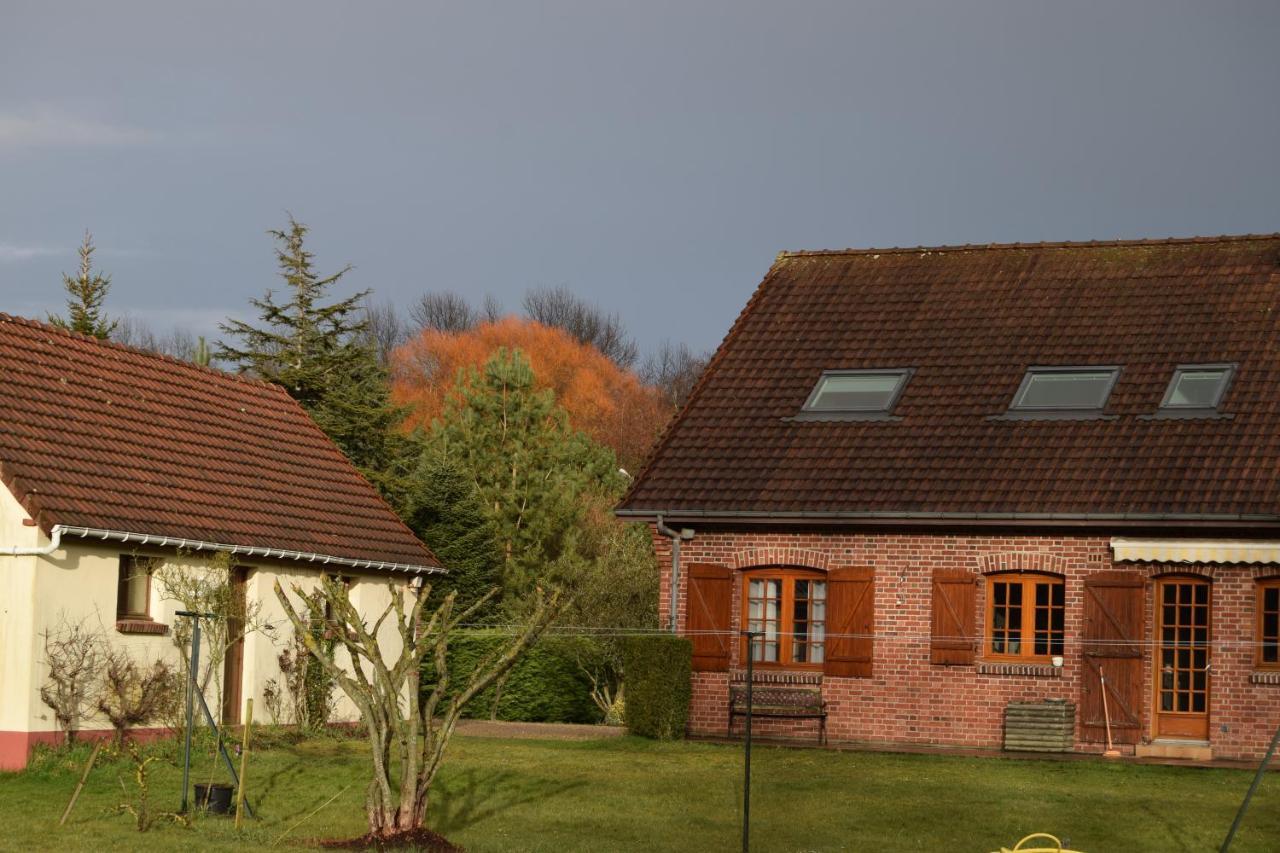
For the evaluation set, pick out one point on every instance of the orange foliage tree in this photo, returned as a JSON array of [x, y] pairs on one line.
[[611, 405]]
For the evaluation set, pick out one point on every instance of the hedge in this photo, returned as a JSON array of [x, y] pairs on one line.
[[658, 671], [545, 685]]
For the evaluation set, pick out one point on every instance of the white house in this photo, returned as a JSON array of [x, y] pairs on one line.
[[116, 462]]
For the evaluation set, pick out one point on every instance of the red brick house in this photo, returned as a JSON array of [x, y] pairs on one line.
[[943, 480]]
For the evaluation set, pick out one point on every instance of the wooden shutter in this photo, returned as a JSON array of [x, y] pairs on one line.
[[953, 638], [851, 604], [1114, 627], [708, 615]]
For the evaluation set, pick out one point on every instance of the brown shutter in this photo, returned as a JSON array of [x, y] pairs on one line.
[[708, 615], [851, 604], [953, 639], [1114, 628]]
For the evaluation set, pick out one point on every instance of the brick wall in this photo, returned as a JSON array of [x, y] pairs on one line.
[[909, 700]]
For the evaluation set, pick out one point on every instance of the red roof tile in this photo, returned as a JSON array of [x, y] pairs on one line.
[[970, 320], [102, 436]]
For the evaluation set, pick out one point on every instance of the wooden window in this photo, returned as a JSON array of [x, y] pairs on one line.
[[133, 594], [1025, 617], [1268, 632], [789, 607]]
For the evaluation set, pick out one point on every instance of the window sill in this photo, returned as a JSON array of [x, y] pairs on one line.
[[1265, 676], [1032, 670], [141, 626]]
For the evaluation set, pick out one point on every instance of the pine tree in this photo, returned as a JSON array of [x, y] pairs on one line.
[[321, 354], [85, 294], [447, 512], [533, 472]]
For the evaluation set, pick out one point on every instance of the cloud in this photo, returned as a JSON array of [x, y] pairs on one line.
[[10, 253], [50, 128]]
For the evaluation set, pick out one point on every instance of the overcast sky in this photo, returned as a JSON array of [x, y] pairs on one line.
[[653, 156]]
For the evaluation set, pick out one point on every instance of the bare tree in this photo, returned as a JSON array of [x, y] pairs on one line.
[[73, 652], [385, 329], [443, 311], [674, 369], [416, 724], [491, 310], [132, 695], [587, 323], [179, 343]]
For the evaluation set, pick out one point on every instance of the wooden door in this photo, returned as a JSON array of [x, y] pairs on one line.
[[1112, 648], [233, 663], [1182, 658]]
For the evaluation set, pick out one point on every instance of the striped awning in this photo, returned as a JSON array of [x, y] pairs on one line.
[[1196, 550]]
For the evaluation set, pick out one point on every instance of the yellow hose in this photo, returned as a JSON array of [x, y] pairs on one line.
[[1056, 848]]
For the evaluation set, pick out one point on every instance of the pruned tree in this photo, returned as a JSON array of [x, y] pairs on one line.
[[587, 323], [444, 311], [86, 291], [73, 652], [409, 728], [133, 694]]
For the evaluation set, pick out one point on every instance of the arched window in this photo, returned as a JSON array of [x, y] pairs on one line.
[[1026, 615], [789, 608]]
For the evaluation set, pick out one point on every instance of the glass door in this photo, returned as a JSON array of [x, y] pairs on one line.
[[1182, 659]]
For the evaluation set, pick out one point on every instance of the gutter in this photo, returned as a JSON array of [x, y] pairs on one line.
[[151, 539], [685, 533], [55, 542], [988, 519]]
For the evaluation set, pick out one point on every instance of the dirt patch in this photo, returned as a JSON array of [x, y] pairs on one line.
[[412, 839], [544, 731]]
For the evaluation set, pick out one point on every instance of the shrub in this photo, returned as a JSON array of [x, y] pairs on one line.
[[658, 671], [545, 686]]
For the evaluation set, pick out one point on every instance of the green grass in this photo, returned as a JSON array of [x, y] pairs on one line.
[[631, 794]]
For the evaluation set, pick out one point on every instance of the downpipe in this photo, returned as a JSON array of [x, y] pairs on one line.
[[676, 536], [55, 542]]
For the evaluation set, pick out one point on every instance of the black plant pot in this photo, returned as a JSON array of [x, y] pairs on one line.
[[215, 798]]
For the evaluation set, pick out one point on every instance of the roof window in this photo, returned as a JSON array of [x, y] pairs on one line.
[[1065, 389], [857, 392], [1197, 388]]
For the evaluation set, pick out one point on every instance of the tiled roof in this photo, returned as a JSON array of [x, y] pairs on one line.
[[102, 436], [970, 320]]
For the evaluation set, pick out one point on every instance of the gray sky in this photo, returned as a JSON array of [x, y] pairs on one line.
[[653, 156]]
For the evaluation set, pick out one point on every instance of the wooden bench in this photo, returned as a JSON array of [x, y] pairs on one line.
[[802, 701]]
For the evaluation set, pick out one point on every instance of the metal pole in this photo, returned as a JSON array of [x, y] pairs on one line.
[[244, 762], [1257, 779], [746, 782], [222, 748], [193, 665]]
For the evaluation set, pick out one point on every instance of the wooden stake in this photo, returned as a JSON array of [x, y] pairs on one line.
[[93, 756], [244, 761]]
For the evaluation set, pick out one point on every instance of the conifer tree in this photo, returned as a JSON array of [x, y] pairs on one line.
[[533, 472], [85, 294], [320, 352], [447, 512]]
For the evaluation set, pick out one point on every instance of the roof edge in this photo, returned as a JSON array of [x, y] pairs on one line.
[[1065, 244], [925, 518], [162, 541]]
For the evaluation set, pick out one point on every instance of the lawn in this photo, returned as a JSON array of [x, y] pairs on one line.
[[632, 794]]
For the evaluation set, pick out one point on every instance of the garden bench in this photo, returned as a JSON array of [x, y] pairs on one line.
[[801, 701]]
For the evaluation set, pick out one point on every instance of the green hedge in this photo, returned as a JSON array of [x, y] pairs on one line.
[[658, 672], [545, 685]]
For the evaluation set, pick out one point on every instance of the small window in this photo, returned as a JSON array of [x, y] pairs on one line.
[[1197, 387], [1065, 388], [1268, 656], [789, 609], [857, 391], [133, 596], [1026, 617]]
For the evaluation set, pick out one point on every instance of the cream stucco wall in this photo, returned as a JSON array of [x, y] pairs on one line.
[[79, 582]]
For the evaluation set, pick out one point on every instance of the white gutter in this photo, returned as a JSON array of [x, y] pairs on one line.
[[55, 542], [151, 539]]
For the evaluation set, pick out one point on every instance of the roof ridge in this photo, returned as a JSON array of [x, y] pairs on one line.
[[1060, 244], [108, 343]]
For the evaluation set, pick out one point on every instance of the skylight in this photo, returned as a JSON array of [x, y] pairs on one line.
[[1197, 387], [857, 391], [1072, 389]]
